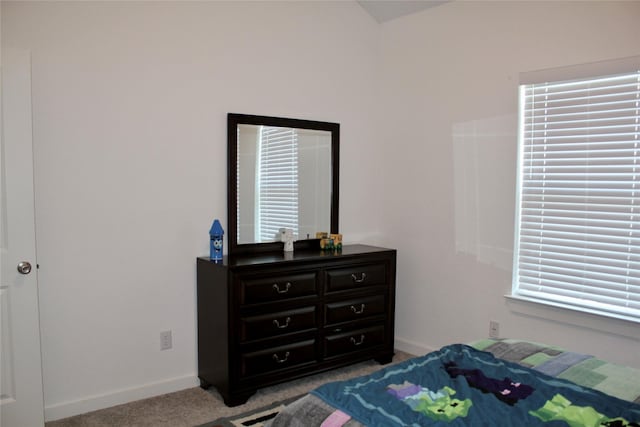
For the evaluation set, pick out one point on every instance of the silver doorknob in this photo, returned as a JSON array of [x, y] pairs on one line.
[[24, 267]]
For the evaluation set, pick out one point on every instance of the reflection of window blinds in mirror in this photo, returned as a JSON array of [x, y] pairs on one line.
[[277, 180], [238, 226]]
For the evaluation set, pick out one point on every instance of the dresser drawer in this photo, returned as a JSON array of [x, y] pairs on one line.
[[354, 309], [280, 323], [357, 340], [277, 287], [356, 276], [283, 357]]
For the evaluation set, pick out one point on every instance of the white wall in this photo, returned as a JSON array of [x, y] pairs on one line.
[[130, 102], [451, 76]]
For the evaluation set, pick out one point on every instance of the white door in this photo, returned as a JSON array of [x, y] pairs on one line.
[[21, 395]]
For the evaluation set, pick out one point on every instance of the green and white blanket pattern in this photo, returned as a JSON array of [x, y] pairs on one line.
[[593, 373]]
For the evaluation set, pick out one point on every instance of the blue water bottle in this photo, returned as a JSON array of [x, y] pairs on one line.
[[216, 234]]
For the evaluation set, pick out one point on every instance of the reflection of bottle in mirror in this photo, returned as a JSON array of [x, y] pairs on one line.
[[216, 234]]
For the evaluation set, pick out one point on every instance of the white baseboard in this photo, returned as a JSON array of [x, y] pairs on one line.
[[411, 347], [117, 397]]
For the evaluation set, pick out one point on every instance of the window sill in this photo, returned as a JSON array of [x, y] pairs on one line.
[[612, 324]]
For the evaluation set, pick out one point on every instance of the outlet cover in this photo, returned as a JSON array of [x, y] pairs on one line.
[[494, 329], [165, 340]]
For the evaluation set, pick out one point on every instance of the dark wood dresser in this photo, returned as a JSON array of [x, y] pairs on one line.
[[268, 318]]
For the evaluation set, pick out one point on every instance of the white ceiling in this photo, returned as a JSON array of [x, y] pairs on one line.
[[386, 10]]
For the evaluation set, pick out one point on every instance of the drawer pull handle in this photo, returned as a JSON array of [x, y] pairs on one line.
[[356, 311], [279, 326], [282, 291], [361, 279], [354, 342], [278, 360]]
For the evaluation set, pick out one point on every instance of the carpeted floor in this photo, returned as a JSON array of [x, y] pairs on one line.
[[194, 406]]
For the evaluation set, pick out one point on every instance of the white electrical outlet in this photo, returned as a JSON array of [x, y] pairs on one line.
[[494, 329], [165, 340]]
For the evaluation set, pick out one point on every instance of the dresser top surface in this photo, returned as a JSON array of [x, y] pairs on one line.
[[303, 255]]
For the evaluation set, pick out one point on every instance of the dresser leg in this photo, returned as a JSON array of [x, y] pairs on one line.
[[384, 359], [238, 399]]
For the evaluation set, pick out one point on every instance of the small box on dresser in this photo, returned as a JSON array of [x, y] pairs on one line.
[[269, 318]]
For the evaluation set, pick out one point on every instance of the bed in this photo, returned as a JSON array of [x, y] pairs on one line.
[[489, 382]]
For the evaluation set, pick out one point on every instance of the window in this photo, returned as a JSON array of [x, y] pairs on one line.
[[578, 214], [276, 182]]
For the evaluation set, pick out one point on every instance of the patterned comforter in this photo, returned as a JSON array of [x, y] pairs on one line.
[[462, 385]]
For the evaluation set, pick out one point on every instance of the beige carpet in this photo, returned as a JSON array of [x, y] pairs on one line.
[[194, 406]]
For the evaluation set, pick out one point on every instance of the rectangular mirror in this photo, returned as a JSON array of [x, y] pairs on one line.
[[283, 173]]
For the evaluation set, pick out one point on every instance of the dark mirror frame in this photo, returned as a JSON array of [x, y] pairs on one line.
[[233, 120]]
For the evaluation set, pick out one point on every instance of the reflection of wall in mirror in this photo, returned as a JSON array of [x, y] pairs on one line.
[[314, 174], [247, 151]]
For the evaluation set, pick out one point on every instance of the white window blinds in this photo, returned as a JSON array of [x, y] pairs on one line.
[[578, 224], [277, 182]]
